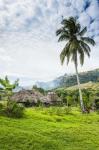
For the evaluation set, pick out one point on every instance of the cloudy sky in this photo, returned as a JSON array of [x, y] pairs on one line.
[[28, 44]]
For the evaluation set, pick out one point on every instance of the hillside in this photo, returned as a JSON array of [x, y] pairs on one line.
[[70, 80], [89, 85]]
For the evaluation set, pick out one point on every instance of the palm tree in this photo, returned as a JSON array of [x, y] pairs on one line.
[[77, 45]]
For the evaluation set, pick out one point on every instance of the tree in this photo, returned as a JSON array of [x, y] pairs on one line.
[[41, 90], [77, 45], [7, 88]]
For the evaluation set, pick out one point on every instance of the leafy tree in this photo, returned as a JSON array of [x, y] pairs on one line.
[[77, 45], [88, 99], [7, 88], [69, 100], [41, 90]]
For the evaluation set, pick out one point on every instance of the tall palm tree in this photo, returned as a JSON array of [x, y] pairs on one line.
[[77, 45]]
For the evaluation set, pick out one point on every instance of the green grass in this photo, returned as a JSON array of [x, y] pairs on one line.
[[42, 130]]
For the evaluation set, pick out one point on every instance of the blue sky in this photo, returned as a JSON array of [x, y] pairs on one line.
[[28, 45]]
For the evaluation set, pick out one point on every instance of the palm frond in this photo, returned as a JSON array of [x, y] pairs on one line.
[[83, 31], [62, 57], [64, 22], [74, 45], [59, 31], [7, 80], [63, 37], [6, 85], [83, 44], [16, 84], [88, 40], [77, 28], [85, 48], [70, 24], [3, 82], [68, 55], [74, 57], [65, 53], [1, 89], [81, 55]]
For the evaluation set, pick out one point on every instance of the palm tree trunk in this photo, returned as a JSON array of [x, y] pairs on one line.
[[80, 92]]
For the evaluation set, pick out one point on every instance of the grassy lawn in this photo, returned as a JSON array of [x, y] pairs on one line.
[[41, 130]]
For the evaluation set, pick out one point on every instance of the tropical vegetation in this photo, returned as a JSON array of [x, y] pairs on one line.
[[6, 88], [7, 106], [77, 45], [54, 126]]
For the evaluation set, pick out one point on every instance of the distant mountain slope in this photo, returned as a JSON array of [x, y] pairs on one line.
[[89, 85], [70, 80]]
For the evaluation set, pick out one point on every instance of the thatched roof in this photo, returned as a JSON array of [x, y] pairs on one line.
[[34, 96]]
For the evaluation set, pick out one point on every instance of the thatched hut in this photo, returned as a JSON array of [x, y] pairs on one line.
[[32, 97]]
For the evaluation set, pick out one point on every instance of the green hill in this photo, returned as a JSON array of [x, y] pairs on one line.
[[85, 77], [89, 85], [70, 80]]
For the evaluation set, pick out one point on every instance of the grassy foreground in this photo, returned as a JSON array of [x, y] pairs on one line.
[[40, 130]]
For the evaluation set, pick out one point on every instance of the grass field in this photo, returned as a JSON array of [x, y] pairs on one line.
[[40, 129]]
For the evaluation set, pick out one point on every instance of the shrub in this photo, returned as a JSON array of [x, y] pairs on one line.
[[1, 108], [97, 104], [28, 103], [41, 90], [14, 110], [39, 103], [97, 112]]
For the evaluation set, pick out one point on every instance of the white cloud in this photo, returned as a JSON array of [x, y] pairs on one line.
[[78, 4], [5, 57], [94, 25], [28, 35], [93, 10], [84, 19]]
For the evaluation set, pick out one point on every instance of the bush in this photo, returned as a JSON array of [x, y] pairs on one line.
[[97, 112], [14, 110], [39, 103], [1, 108], [97, 104], [41, 90]]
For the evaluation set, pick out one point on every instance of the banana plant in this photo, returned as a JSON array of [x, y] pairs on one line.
[[6, 88]]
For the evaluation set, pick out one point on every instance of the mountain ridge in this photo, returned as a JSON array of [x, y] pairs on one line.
[[70, 80]]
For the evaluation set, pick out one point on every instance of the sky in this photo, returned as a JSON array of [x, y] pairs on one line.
[[28, 45]]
